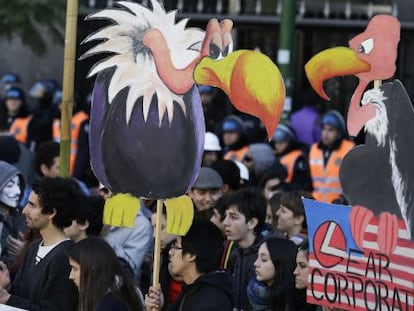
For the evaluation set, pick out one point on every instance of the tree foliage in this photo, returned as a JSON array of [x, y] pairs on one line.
[[34, 21]]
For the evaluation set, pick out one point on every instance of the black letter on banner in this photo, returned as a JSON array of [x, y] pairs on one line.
[[396, 300], [383, 298], [383, 266], [371, 265], [349, 269], [342, 289], [355, 280], [313, 283], [327, 276], [366, 299], [408, 301]]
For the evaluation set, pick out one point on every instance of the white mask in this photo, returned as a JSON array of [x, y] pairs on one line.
[[10, 194]]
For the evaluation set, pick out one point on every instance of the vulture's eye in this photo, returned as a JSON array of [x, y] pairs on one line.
[[228, 49], [215, 52], [366, 46], [196, 46]]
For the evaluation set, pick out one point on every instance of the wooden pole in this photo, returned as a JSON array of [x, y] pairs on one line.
[[157, 248], [68, 82]]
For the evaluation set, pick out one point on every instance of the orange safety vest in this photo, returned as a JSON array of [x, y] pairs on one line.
[[77, 120], [19, 129], [236, 154], [288, 161], [326, 186]]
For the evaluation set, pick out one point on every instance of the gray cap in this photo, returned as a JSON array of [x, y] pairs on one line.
[[208, 179]]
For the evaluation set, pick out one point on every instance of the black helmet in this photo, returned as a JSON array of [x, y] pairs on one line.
[[336, 120], [10, 78], [284, 133], [14, 92], [44, 89]]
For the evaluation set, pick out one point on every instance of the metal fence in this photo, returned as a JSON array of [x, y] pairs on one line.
[[188, 6], [328, 9]]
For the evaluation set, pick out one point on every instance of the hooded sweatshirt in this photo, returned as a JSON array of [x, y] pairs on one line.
[[15, 153], [211, 291], [11, 223], [264, 161], [263, 157], [7, 173]]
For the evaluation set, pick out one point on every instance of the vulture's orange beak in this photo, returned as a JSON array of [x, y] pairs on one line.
[[251, 81], [334, 62]]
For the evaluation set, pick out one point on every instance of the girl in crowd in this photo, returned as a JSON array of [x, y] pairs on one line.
[[301, 278], [273, 287], [301, 281], [102, 283]]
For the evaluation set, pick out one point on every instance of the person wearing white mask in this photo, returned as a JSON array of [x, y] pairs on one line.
[[10, 194], [12, 223]]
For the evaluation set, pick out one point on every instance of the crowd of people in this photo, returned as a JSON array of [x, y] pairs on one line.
[[247, 246]]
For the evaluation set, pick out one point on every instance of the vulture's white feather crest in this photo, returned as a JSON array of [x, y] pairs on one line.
[[133, 62], [378, 126]]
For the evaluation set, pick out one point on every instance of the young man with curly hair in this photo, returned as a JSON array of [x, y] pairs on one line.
[[42, 282]]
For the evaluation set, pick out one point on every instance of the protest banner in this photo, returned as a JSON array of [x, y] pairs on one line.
[[362, 255], [147, 125], [349, 277]]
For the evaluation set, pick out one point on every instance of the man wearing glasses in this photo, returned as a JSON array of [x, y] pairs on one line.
[[195, 258]]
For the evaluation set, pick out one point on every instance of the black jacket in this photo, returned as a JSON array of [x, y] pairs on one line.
[[242, 269], [111, 303], [46, 285], [211, 291], [12, 225], [300, 301]]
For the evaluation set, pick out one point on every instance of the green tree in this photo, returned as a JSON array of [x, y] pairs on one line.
[[34, 21]]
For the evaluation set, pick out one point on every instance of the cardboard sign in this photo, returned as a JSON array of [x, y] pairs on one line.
[[145, 138], [371, 56], [378, 175], [180, 213], [346, 276], [147, 123], [362, 257]]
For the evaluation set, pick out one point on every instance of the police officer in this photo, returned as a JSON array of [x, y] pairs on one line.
[[325, 157], [291, 156]]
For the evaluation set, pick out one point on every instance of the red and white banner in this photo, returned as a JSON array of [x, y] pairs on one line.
[[351, 277]]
